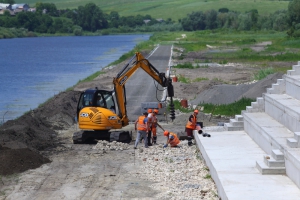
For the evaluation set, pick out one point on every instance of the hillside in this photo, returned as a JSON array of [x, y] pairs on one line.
[[169, 8]]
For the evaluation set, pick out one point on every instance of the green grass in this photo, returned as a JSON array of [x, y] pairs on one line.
[[183, 79], [263, 73], [228, 109], [166, 8], [207, 176]]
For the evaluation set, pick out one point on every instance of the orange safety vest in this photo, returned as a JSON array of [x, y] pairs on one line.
[[154, 121], [140, 125], [192, 124], [174, 141]]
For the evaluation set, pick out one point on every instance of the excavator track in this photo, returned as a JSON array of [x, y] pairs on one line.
[[85, 136]]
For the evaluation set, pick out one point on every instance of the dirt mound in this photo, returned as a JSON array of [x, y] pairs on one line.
[[19, 160], [23, 138]]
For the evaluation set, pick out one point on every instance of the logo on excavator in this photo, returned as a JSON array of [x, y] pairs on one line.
[[123, 80], [112, 117], [84, 115]]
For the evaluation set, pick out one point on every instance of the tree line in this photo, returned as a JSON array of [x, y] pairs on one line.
[[281, 20], [48, 19]]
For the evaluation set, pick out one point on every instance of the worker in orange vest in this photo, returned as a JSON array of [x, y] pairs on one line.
[[154, 126], [192, 125], [141, 126], [172, 139]]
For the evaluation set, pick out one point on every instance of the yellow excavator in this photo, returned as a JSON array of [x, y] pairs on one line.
[[100, 111]]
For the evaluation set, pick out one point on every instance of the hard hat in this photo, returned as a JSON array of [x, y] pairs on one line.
[[149, 110], [196, 111], [166, 133], [156, 111]]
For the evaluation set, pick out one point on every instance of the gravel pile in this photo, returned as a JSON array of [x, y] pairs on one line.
[[178, 173], [107, 146]]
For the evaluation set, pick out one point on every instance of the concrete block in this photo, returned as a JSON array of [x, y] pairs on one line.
[[239, 118], [266, 170], [260, 100], [234, 122], [293, 86], [285, 109], [292, 142], [229, 127], [292, 72], [296, 67], [270, 162], [297, 136], [277, 154]]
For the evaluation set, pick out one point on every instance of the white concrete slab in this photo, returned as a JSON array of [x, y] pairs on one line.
[[231, 157]]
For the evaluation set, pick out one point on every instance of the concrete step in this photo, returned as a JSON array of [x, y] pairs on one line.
[[293, 86], [270, 162], [291, 142], [277, 88], [234, 122], [285, 109], [239, 118], [295, 141], [292, 163], [266, 170], [295, 70], [277, 155], [268, 133], [231, 158], [230, 127]]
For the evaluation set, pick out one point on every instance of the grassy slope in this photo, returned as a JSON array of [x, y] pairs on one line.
[[174, 9]]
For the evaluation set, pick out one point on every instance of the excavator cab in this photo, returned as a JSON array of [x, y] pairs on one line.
[[96, 98]]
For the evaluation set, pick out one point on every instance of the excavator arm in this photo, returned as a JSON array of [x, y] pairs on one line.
[[136, 62]]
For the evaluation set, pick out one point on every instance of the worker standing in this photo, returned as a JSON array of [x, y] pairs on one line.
[[141, 125], [150, 117], [154, 126], [172, 139], [192, 125]]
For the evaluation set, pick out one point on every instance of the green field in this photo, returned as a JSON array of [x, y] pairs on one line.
[[174, 9]]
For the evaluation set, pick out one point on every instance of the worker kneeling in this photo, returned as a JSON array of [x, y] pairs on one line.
[[172, 139]]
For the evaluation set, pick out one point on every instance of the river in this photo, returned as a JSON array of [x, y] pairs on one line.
[[35, 69]]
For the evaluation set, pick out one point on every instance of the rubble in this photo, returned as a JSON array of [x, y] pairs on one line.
[[110, 146], [178, 173]]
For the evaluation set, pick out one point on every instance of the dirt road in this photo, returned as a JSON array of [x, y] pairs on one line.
[[85, 172]]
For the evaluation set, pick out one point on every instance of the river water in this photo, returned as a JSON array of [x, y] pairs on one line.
[[35, 69]]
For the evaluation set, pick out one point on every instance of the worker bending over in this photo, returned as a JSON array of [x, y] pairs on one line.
[[172, 139]]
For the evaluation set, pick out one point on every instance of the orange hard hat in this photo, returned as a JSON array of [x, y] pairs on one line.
[[156, 111], [166, 133], [149, 110], [196, 111]]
